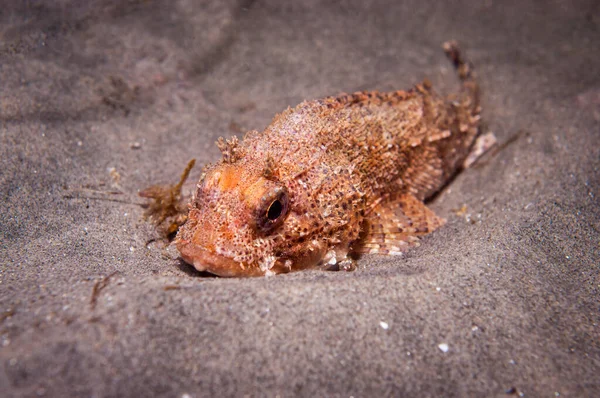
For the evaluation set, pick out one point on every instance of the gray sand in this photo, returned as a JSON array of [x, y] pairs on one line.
[[101, 99]]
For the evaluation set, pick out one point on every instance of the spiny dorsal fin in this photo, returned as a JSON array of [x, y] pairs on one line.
[[395, 224]]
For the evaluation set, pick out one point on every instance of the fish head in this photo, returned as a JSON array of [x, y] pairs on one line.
[[245, 222]]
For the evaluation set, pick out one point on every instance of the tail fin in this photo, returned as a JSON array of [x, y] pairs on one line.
[[466, 74]]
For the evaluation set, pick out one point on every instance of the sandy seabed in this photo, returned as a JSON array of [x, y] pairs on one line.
[[101, 99]]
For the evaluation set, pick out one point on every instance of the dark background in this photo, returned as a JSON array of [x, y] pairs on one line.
[[100, 99]]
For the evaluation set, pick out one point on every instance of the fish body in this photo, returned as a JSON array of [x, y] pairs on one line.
[[330, 178]]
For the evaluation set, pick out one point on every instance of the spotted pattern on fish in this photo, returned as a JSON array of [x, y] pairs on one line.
[[331, 178]]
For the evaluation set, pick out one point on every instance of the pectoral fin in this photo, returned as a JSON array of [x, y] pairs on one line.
[[395, 224]]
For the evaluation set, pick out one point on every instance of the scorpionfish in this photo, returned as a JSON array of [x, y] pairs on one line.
[[331, 179]]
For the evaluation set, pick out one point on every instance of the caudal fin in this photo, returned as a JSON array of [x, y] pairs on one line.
[[466, 74]]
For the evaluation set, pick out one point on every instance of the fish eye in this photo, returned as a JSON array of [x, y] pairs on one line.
[[272, 210]]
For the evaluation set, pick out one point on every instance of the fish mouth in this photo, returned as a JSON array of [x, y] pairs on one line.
[[205, 260]]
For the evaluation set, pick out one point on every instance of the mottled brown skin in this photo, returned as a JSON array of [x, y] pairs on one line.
[[331, 177]]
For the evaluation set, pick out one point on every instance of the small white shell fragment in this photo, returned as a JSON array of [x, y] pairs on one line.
[[384, 325], [444, 347], [482, 144]]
